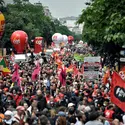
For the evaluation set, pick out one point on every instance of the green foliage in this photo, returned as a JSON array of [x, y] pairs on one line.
[[1, 2], [104, 22], [22, 15], [29, 18]]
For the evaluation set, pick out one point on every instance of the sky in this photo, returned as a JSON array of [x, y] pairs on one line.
[[63, 8]]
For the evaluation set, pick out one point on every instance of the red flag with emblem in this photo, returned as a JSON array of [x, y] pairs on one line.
[[118, 91]]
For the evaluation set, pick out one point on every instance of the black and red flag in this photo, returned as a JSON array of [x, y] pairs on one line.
[[118, 91]]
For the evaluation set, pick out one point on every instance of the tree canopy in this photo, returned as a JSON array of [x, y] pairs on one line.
[[104, 21], [104, 24]]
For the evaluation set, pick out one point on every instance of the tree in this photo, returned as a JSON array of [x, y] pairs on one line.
[[29, 18], [22, 15], [2, 2], [104, 23]]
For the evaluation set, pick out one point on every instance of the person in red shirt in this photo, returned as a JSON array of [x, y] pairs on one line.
[[18, 97], [47, 96], [109, 112]]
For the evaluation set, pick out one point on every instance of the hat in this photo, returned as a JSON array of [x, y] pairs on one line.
[[61, 113], [70, 105], [20, 108], [8, 113]]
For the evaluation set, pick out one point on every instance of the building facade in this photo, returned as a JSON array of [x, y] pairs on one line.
[[70, 22], [47, 11]]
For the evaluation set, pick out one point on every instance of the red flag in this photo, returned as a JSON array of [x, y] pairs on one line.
[[62, 76], [16, 76], [118, 91], [38, 44], [36, 72]]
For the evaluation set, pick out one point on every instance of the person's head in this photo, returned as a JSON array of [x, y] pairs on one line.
[[71, 110], [39, 92], [110, 107], [20, 110], [43, 120], [8, 115], [115, 122], [19, 92], [25, 105], [71, 105], [34, 110], [81, 117], [61, 120], [62, 89], [52, 112], [72, 120], [93, 116], [9, 97], [34, 103], [51, 99], [47, 93], [61, 96]]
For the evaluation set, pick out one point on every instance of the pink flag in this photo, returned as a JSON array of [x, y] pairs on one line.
[[36, 72], [16, 76], [62, 76]]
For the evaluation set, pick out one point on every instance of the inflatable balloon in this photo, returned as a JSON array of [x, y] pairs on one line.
[[57, 38], [65, 38], [38, 44], [2, 24], [70, 39], [19, 40], [80, 42]]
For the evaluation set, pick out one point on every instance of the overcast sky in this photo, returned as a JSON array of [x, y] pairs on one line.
[[63, 8]]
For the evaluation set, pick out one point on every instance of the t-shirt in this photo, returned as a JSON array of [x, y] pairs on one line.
[[108, 114]]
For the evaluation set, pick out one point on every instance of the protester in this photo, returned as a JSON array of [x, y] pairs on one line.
[[55, 92]]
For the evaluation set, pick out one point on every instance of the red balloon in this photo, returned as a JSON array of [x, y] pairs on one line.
[[70, 39], [19, 40], [38, 44]]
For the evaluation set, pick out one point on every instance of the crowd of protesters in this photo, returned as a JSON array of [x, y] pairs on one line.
[[46, 102]]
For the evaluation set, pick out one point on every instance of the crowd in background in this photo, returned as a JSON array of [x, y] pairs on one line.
[[46, 102]]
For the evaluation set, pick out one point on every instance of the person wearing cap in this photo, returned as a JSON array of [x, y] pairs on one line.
[[8, 118], [19, 117], [71, 105], [61, 120]]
